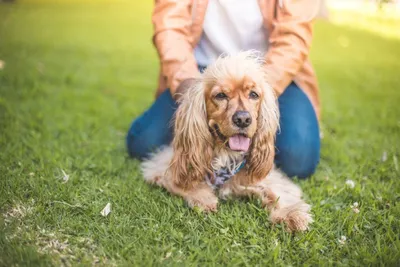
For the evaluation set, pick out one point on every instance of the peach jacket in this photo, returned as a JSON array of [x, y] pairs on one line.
[[178, 29]]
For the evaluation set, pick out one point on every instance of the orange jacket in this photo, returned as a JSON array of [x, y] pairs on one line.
[[178, 28]]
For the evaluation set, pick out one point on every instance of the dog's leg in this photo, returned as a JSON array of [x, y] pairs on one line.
[[201, 195], [290, 207], [278, 194], [154, 171]]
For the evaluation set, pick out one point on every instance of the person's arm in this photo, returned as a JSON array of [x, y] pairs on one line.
[[172, 20], [289, 41]]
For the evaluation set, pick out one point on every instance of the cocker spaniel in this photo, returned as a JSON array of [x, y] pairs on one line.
[[223, 144]]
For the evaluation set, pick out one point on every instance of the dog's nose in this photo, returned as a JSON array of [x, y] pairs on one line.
[[241, 119]]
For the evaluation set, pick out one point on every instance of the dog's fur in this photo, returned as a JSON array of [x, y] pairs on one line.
[[203, 125]]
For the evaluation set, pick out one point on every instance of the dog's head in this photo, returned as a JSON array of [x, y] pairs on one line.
[[233, 107]]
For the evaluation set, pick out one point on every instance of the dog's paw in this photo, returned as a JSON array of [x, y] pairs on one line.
[[203, 199], [225, 192], [204, 204], [297, 217]]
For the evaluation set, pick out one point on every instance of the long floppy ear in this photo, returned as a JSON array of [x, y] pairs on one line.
[[262, 153], [192, 140]]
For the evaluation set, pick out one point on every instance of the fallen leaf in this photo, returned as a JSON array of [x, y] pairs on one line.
[[2, 64], [384, 156], [106, 210], [65, 176]]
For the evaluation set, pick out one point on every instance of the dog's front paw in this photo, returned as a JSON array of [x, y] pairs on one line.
[[225, 192], [203, 198], [297, 217], [207, 204]]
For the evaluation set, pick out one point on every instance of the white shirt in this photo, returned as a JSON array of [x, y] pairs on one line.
[[231, 26]]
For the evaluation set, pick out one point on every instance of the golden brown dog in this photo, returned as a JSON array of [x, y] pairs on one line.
[[223, 145]]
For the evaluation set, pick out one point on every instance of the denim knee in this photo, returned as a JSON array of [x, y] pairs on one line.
[[298, 159], [298, 142], [141, 144], [153, 128]]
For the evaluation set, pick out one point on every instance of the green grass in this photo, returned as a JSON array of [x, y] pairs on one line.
[[75, 76], [384, 22]]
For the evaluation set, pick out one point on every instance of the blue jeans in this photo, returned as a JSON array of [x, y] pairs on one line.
[[297, 142]]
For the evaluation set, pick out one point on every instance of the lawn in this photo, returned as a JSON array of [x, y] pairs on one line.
[[74, 75]]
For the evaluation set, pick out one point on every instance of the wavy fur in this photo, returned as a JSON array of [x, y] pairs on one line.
[[182, 167], [192, 141], [262, 154]]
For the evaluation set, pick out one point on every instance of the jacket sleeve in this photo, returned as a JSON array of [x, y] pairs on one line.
[[172, 38], [289, 41]]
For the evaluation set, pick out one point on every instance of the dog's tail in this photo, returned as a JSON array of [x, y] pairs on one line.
[[154, 169]]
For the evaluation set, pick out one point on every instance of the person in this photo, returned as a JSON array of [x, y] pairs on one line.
[[190, 34]]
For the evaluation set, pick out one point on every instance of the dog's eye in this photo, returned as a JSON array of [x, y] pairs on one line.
[[221, 96], [253, 95]]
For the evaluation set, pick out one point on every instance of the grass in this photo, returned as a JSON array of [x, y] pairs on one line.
[[77, 73], [384, 22]]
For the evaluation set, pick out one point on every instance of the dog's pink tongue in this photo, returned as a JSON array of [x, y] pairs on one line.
[[239, 143]]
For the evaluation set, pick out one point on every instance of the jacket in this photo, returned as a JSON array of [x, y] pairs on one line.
[[178, 29]]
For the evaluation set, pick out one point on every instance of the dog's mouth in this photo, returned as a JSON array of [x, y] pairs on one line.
[[238, 142]]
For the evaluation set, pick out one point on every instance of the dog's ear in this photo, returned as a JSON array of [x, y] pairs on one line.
[[192, 139], [261, 159]]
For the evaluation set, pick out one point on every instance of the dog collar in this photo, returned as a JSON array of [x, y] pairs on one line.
[[222, 175]]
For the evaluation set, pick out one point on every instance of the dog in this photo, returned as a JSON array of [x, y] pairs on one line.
[[223, 146]]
